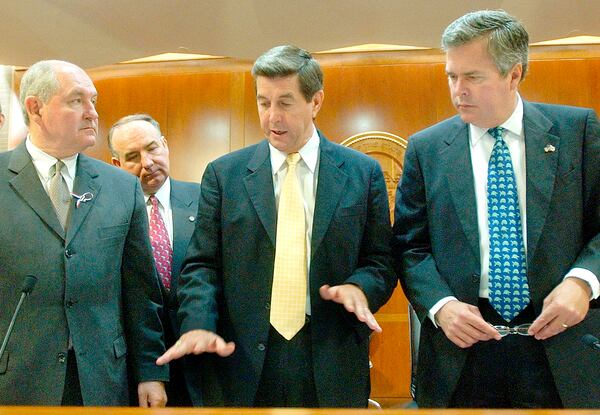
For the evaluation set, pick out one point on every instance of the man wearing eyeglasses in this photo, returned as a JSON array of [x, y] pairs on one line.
[[496, 234]]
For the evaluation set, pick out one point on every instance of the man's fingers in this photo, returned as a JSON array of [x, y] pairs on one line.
[[372, 323], [326, 292], [174, 352], [220, 347], [196, 342]]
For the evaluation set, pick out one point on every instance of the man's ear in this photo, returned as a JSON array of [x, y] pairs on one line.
[[516, 76], [317, 101], [115, 162], [33, 106]]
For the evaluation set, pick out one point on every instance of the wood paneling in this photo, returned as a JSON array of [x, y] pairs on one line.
[[118, 97], [399, 99], [199, 108]]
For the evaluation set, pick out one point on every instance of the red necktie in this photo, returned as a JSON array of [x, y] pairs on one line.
[[161, 246]]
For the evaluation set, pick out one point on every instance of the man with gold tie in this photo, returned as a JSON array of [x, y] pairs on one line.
[[289, 259]]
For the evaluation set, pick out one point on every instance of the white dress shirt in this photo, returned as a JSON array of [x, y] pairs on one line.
[[481, 144], [307, 172], [44, 164]]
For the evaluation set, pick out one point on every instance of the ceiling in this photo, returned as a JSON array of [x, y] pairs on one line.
[[94, 33]]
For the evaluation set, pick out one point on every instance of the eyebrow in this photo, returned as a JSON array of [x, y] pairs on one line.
[[470, 73], [288, 95], [78, 91]]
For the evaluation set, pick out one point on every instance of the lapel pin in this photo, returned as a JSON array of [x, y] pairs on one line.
[[86, 197], [549, 148]]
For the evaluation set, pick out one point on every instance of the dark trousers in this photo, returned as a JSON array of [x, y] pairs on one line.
[[72, 391], [510, 373], [177, 393], [287, 378]]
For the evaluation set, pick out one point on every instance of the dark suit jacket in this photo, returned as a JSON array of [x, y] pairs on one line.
[[97, 283], [437, 239], [184, 206], [228, 272]]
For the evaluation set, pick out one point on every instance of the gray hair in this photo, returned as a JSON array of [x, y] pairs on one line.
[[508, 41], [289, 60], [126, 120], [40, 81]]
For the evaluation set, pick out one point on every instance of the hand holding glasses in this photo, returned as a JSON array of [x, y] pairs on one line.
[[521, 329]]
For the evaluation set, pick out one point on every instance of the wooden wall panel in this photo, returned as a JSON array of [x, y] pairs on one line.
[[199, 111], [254, 133], [569, 82], [118, 97], [399, 99]]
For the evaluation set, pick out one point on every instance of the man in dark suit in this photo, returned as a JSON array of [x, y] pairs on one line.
[[228, 300], [138, 147], [79, 225], [516, 208]]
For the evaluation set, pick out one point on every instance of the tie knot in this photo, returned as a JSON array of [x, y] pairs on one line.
[[56, 168], [496, 132], [293, 159], [154, 201]]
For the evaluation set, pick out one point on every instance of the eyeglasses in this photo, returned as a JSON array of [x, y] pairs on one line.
[[520, 330]]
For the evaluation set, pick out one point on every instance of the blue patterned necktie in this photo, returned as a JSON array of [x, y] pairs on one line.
[[508, 287]]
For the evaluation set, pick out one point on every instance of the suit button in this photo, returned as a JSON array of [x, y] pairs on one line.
[[475, 278], [261, 347], [68, 253], [71, 303], [61, 357], [267, 306]]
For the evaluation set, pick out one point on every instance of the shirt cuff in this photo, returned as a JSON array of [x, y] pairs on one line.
[[437, 306], [589, 277]]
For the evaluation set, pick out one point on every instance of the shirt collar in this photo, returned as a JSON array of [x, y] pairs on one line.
[[43, 162], [163, 195], [309, 153], [513, 124]]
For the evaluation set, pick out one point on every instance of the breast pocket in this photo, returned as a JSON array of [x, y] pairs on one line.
[[112, 235], [347, 211]]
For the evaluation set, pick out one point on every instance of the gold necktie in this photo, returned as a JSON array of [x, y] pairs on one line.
[[288, 298], [59, 193]]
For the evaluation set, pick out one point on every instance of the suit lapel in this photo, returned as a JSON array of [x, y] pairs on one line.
[[331, 183], [259, 184], [27, 184], [181, 203], [459, 172], [541, 171], [85, 182]]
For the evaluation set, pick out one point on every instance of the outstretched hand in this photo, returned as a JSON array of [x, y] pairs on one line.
[[196, 342], [354, 301]]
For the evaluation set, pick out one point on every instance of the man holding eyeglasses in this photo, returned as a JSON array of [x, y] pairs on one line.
[[496, 234]]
